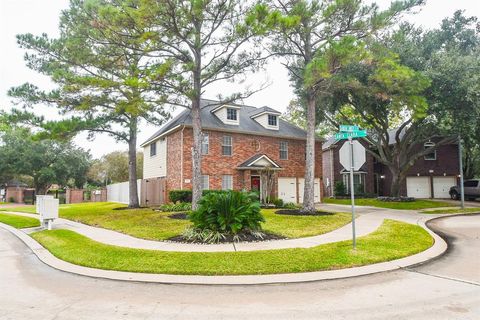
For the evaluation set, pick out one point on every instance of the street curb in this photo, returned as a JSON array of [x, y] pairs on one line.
[[437, 249]]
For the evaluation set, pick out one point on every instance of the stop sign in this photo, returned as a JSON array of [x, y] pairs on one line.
[[359, 156]]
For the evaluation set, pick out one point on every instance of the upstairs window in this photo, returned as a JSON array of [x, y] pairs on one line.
[[272, 120], [153, 149], [205, 143], [227, 146], [232, 114], [283, 150], [432, 155]]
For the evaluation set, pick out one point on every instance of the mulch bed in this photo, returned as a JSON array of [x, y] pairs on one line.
[[179, 216], [229, 239], [299, 212]]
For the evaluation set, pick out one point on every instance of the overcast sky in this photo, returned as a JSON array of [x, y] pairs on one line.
[[42, 16]]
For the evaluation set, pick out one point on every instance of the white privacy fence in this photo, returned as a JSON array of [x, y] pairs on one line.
[[118, 192]]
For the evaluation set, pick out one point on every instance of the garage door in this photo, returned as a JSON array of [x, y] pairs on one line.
[[441, 186], [287, 189], [418, 187], [316, 191]]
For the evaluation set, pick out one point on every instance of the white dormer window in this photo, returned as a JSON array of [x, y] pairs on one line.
[[272, 120], [232, 114], [267, 118]]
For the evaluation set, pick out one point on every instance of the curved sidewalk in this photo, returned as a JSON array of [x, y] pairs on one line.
[[364, 224], [438, 248]]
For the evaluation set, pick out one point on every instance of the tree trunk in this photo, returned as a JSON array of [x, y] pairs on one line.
[[397, 180], [308, 192], [196, 155], [132, 165]]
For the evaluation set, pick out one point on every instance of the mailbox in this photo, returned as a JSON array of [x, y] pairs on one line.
[[47, 208]]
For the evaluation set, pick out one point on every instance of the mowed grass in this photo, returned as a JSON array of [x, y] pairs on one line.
[[391, 241], [146, 223], [18, 222], [415, 205], [303, 226], [452, 211]]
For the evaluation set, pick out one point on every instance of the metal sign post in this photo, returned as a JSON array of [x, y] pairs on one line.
[[460, 159], [352, 192], [348, 132]]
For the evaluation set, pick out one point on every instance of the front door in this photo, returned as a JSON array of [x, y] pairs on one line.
[[255, 183]]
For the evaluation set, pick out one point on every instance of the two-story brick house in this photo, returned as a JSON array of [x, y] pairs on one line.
[[430, 176], [238, 143]]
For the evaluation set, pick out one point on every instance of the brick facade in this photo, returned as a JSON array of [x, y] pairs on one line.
[[215, 165]]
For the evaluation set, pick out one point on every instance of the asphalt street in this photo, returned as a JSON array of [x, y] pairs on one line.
[[447, 288]]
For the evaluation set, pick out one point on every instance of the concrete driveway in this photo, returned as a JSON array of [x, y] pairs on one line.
[[444, 289]]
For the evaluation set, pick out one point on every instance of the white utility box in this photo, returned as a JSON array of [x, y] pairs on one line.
[[39, 202], [47, 208]]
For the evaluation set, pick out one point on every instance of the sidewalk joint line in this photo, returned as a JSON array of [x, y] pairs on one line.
[[442, 277]]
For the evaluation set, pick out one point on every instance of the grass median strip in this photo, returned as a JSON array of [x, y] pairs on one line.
[[391, 241], [18, 222], [414, 205], [148, 224], [452, 211]]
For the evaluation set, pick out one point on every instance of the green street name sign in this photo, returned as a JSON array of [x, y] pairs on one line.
[[348, 135], [348, 128]]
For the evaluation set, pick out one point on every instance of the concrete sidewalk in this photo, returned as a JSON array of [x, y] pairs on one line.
[[438, 248], [367, 221], [365, 224]]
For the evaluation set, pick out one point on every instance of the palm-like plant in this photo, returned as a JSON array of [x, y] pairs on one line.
[[220, 215]]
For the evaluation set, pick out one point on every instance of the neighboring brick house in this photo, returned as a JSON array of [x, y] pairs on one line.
[[238, 143], [431, 176]]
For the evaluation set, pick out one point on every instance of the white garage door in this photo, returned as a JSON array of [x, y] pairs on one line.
[[418, 187], [441, 186], [287, 189], [316, 190]]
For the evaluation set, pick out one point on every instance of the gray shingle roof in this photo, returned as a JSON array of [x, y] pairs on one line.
[[263, 110], [247, 124]]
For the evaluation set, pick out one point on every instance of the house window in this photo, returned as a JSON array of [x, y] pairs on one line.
[[432, 155], [153, 149], [227, 146], [283, 150], [227, 182], [231, 114], [205, 181], [272, 120], [205, 143], [358, 182]]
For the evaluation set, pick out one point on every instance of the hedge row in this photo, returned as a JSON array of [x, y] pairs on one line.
[[186, 195]]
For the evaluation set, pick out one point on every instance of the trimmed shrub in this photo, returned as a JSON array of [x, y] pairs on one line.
[[180, 196], [291, 205], [277, 202], [223, 214], [176, 207], [339, 189], [396, 199]]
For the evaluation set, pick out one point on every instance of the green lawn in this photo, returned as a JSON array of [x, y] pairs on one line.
[[27, 209], [392, 240], [18, 222], [148, 224], [452, 211], [415, 205]]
